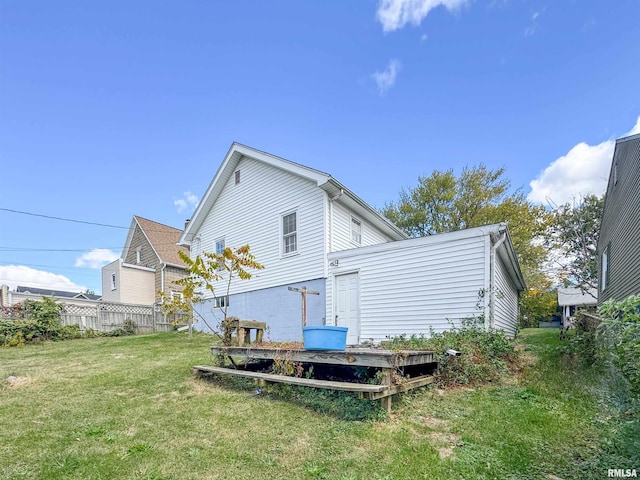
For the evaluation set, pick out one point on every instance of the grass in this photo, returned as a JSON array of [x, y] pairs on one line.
[[129, 408]]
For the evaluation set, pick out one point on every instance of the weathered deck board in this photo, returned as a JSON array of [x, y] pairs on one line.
[[363, 357], [307, 382], [403, 387]]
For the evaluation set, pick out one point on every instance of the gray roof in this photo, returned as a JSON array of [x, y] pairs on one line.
[[57, 293], [575, 296]]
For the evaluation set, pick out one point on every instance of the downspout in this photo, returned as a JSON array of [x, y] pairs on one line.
[[331, 200], [492, 276], [164, 265]]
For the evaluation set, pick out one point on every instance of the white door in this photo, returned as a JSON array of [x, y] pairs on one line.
[[348, 306]]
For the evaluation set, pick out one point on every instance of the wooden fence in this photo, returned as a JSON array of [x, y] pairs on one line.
[[107, 316]]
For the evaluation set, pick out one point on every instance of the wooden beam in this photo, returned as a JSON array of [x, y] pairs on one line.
[[306, 382], [361, 357], [403, 387]]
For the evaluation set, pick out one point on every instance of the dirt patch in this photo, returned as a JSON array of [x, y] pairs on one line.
[[445, 443], [17, 382], [434, 422]]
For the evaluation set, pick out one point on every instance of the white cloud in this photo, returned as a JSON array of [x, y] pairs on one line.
[[96, 258], [395, 14], [531, 29], [636, 128], [387, 78], [189, 201], [20, 275], [583, 170]]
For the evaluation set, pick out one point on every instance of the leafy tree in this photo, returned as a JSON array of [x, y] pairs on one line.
[[205, 271], [443, 202], [572, 238], [539, 303]]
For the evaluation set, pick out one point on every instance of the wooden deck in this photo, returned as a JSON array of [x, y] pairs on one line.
[[388, 362], [357, 357]]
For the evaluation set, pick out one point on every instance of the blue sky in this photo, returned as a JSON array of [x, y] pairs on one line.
[[114, 109]]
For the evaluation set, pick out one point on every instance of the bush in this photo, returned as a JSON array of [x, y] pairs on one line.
[[620, 330], [486, 355], [35, 321]]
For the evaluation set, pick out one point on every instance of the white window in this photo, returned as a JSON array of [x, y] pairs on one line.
[[113, 281], [221, 302], [220, 250], [176, 295], [237, 176], [356, 231], [605, 268], [139, 255], [220, 246], [289, 234]]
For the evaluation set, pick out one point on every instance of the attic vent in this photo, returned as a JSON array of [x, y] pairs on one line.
[[237, 177]]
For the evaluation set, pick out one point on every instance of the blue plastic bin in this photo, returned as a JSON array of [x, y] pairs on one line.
[[324, 337]]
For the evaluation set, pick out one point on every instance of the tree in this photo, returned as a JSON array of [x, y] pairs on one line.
[[443, 202], [572, 238], [205, 271]]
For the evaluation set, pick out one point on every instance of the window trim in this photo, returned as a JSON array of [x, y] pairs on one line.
[[236, 176], [284, 254], [221, 302], [605, 266], [138, 255], [357, 221], [113, 282]]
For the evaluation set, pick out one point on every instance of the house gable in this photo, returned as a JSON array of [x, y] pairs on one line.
[[333, 188], [619, 241]]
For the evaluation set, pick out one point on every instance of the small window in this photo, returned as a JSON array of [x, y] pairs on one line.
[[113, 281], [176, 295], [237, 177], [289, 234], [221, 302], [220, 246], [356, 231], [139, 255], [604, 277]]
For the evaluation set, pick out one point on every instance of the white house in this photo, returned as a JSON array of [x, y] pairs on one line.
[[574, 299], [308, 229]]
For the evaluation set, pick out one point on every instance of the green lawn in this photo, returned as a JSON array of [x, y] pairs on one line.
[[129, 408]]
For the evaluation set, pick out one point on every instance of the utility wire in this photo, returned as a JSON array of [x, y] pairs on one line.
[[63, 219]]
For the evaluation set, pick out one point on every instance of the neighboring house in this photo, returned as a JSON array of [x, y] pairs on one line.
[[9, 297], [573, 299], [619, 241], [149, 264], [308, 229]]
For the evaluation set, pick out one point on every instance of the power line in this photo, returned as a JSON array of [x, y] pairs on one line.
[[63, 219]]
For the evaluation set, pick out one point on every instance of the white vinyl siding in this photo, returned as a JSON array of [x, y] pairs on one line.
[[505, 316], [341, 230], [412, 285], [251, 213]]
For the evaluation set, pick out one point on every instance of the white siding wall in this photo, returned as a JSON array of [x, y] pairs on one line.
[[411, 286], [341, 230], [250, 212], [506, 300]]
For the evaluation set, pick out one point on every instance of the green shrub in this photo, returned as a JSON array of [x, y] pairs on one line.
[[620, 330], [34, 321], [486, 355]]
